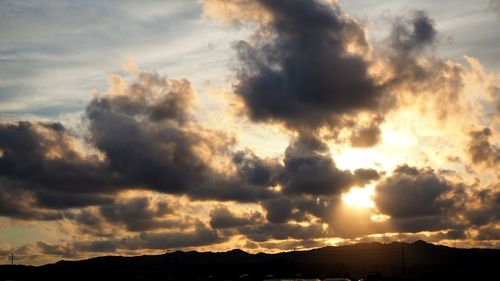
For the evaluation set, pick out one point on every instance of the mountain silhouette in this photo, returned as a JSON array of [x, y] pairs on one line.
[[371, 261]]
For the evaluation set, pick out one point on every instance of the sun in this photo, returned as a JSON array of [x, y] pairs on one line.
[[360, 197]]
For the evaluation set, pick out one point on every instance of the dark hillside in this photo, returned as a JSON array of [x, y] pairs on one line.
[[394, 261]]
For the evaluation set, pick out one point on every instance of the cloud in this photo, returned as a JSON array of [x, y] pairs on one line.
[[412, 192], [481, 151], [310, 169], [139, 214], [297, 69], [307, 169], [159, 151], [414, 74], [487, 211], [221, 217], [278, 210], [61, 201], [489, 233], [495, 94], [43, 162], [24, 253], [56, 250], [45, 156], [127, 215], [255, 170], [303, 208], [265, 232], [199, 236], [330, 78], [424, 223], [15, 202], [419, 200], [235, 12], [413, 35], [166, 149], [366, 137], [141, 135], [364, 176], [495, 6]]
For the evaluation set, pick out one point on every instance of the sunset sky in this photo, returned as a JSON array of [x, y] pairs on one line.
[[137, 127]]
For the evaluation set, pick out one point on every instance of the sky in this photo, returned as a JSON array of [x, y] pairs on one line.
[[137, 127]]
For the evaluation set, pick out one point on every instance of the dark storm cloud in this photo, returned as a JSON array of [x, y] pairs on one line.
[[364, 176], [322, 207], [139, 214], [416, 199], [16, 202], [136, 214], [480, 149], [255, 170], [306, 169], [311, 170], [418, 74], [300, 208], [221, 217], [279, 210], [57, 200], [422, 200], [230, 189], [158, 150], [89, 222], [297, 69], [166, 150], [488, 210], [414, 35], [41, 169], [301, 74], [147, 137], [311, 183], [41, 155]]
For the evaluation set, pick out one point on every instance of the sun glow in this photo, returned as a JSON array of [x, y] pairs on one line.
[[360, 197]]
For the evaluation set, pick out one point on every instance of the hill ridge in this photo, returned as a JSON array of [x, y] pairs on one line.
[[420, 258]]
